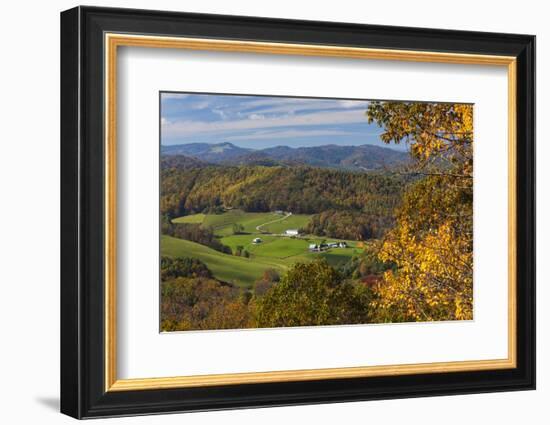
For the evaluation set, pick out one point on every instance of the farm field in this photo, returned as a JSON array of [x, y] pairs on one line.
[[295, 221], [229, 268], [274, 251], [271, 246], [223, 223], [269, 222]]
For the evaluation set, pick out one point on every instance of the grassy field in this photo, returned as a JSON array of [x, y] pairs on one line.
[[271, 246], [295, 221], [245, 241], [229, 268], [277, 252], [281, 248], [223, 223]]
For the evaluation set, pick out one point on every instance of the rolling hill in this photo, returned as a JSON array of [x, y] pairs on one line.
[[229, 268]]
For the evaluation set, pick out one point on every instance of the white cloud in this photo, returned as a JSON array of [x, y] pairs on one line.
[[291, 106], [220, 113], [286, 134], [256, 117], [165, 96], [353, 103], [272, 101], [189, 128], [200, 105]]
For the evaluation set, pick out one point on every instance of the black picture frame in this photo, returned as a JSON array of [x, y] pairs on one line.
[[82, 218]]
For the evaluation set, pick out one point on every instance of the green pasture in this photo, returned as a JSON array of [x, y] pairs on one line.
[[338, 256], [277, 252], [223, 223], [281, 247], [295, 221], [229, 268], [245, 241], [269, 222]]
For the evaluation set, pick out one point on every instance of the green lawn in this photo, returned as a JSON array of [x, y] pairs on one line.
[[281, 247], [295, 221], [338, 256], [245, 241], [223, 223], [334, 256], [238, 270]]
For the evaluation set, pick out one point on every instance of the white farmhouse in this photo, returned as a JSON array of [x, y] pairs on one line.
[[291, 232]]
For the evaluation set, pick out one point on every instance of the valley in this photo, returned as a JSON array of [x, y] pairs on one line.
[[274, 249]]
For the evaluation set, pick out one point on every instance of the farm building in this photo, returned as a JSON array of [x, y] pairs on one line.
[[291, 232], [318, 247], [256, 240]]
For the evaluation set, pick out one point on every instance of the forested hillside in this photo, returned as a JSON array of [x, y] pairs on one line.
[[188, 188]]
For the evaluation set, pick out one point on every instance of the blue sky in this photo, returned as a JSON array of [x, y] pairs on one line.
[[264, 121]]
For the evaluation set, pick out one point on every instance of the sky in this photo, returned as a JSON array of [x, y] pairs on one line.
[[259, 122]]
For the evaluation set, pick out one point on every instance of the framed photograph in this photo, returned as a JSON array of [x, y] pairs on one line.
[[261, 212]]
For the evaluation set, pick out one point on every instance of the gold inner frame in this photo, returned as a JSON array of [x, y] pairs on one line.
[[113, 41]]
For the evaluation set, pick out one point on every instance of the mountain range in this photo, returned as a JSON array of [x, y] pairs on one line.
[[362, 157]]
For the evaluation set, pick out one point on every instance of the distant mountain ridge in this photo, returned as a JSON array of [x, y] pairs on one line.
[[362, 157], [215, 153]]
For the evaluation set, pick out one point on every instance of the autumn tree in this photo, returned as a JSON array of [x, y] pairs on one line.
[[268, 279], [202, 303], [312, 294], [440, 135], [171, 268], [431, 244]]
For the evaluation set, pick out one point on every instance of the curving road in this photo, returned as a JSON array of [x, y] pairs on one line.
[[273, 221]]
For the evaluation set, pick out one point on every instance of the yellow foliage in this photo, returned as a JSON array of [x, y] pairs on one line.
[[431, 246], [433, 280]]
